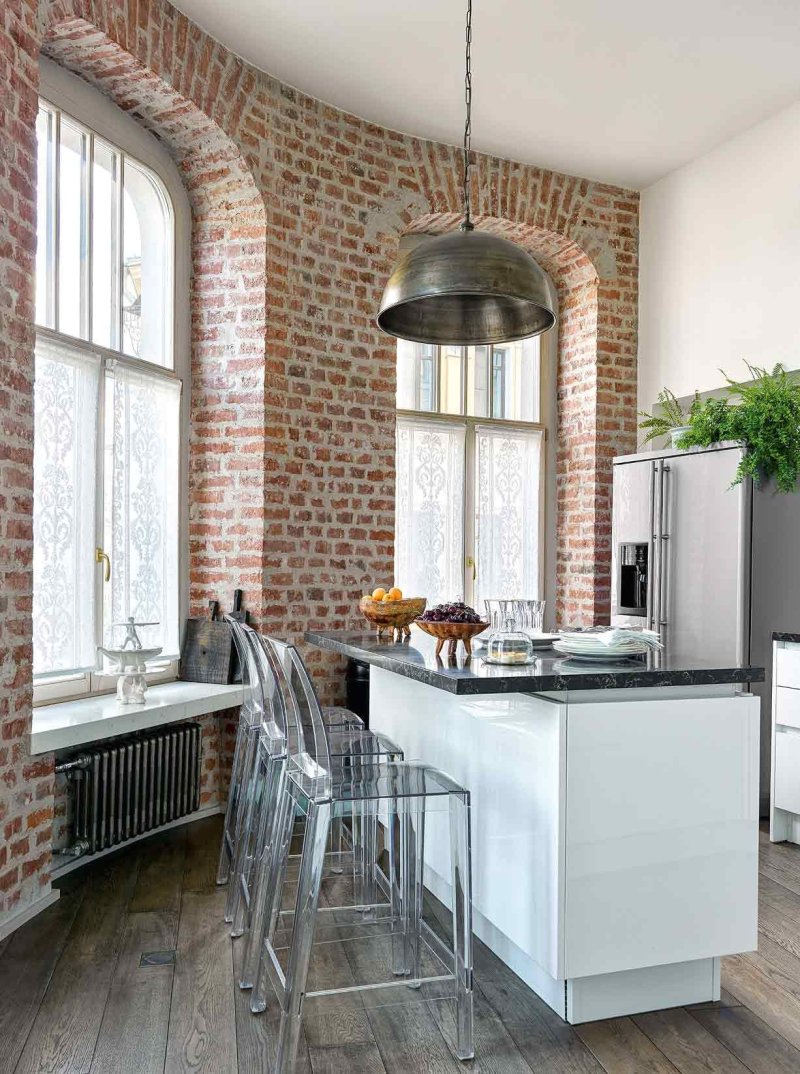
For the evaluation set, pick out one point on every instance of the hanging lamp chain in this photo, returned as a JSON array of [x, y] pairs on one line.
[[467, 224]]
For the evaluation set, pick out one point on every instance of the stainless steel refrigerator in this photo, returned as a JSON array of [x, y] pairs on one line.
[[714, 568]]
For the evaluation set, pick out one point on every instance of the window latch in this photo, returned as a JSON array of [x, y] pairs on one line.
[[471, 563], [103, 557]]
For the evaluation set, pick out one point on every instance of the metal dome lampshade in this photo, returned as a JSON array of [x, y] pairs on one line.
[[468, 287]]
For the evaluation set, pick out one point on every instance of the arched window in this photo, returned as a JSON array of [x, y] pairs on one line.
[[470, 471], [110, 391]]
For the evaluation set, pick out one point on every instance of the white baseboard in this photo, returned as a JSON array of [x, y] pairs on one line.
[[63, 864], [11, 922]]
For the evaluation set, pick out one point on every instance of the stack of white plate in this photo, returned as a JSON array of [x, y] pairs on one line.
[[590, 647]]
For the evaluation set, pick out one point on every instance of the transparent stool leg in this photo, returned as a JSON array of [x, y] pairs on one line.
[[259, 891], [369, 891], [416, 888], [337, 845], [311, 866], [462, 921], [279, 859], [394, 854], [226, 850], [242, 822]]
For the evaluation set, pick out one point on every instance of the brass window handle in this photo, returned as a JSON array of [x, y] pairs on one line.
[[471, 563], [103, 557]]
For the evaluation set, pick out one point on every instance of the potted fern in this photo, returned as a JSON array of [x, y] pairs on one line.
[[670, 421], [762, 414]]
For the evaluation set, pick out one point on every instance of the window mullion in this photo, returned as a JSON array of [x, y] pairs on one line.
[[470, 549], [54, 320], [100, 505], [119, 251], [86, 236]]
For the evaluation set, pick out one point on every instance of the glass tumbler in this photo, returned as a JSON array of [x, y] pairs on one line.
[[529, 614]]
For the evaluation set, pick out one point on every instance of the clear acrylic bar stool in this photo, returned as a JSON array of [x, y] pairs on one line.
[[405, 798], [250, 716], [247, 733], [350, 747]]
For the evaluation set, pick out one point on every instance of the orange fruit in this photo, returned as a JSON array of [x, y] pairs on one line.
[[378, 594], [386, 598], [395, 593]]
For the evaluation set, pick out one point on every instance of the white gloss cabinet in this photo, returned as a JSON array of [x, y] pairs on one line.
[[614, 832], [785, 799]]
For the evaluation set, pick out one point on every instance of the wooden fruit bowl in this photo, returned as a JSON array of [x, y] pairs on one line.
[[394, 616], [452, 633]]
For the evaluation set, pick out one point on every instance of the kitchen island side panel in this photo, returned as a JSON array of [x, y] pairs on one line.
[[662, 831]]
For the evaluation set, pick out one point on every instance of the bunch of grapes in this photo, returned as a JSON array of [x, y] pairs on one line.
[[456, 612]]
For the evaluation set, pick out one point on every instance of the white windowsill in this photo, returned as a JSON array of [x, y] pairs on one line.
[[92, 719]]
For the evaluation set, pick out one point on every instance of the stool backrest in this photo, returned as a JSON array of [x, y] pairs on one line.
[[275, 723], [308, 748], [253, 700]]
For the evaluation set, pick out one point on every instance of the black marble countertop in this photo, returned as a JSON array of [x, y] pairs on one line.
[[783, 635], [415, 659]]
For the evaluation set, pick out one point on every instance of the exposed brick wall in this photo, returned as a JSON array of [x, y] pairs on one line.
[[297, 214]]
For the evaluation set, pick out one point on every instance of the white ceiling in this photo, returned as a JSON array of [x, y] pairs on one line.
[[619, 90]]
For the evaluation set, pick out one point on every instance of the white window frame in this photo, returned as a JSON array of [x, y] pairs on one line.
[[470, 423], [97, 115]]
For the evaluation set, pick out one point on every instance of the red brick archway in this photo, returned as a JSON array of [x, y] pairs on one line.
[[228, 302], [583, 552], [298, 209]]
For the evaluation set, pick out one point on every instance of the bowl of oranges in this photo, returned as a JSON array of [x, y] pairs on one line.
[[390, 612]]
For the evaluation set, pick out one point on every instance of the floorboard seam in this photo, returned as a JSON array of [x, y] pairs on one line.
[[67, 935], [716, 1038], [662, 1052], [125, 916]]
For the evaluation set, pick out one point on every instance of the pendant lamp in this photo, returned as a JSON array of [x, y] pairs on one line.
[[467, 287]]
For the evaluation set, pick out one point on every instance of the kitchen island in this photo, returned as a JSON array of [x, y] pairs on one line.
[[614, 812]]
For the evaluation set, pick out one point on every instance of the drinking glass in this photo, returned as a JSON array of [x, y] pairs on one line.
[[529, 615]]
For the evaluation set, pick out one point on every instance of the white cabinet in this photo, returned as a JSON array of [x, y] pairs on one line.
[[787, 665], [786, 787], [785, 805]]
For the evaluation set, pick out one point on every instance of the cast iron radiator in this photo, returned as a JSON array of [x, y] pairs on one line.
[[132, 785]]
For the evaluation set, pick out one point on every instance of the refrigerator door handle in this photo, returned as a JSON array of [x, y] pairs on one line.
[[651, 563], [663, 608], [654, 574]]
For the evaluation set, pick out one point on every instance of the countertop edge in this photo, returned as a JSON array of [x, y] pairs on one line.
[[626, 679]]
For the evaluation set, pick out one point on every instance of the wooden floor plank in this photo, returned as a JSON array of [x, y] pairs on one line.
[[687, 1044], [136, 1018], [622, 1048], [202, 1024], [64, 1032], [768, 993], [778, 957], [202, 854], [347, 1059], [408, 1038], [544, 1040], [161, 869], [495, 1050], [760, 1048], [726, 999], [28, 961], [257, 1034]]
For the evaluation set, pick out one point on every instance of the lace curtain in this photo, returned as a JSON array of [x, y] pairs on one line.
[[429, 535], [508, 472], [66, 396], [141, 505]]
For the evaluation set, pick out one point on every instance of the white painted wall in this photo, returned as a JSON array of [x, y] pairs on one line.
[[720, 262]]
